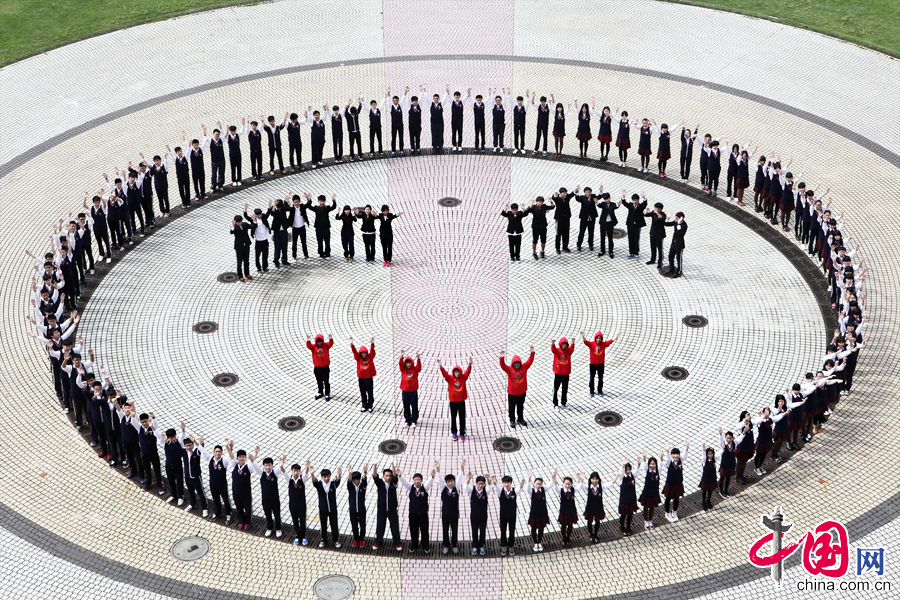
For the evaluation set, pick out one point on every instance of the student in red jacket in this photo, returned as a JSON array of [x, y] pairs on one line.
[[365, 370], [456, 390], [562, 368], [598, 358], [409, 388], [321, 364], [516, 386]]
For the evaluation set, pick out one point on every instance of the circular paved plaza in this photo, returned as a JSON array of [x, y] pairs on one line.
[[71, 527]]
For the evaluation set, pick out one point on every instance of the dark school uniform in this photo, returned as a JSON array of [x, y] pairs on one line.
[[605, 134], [584, 126], [623, 137], [664, 149], [628, 495], [644, 141], [650, 494], [708, 480], [674, 487]]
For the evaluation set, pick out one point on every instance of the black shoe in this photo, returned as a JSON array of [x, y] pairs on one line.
[[535, 256], [578, 248], [611, 255], [522, 422], [542, 255], [567, 251], [558, 252], [649, 262], [512, 424]]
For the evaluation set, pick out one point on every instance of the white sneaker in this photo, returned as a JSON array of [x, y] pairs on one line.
[[321, 544], [188, 508], [337, 544], [540, 547], [674, 515], [669, 517], [268, 533], [556, 408], [535, 549], [413, 425], [278, 533], [501, 150], [180, 501], [171, 499], [205, 513], [108, 260]]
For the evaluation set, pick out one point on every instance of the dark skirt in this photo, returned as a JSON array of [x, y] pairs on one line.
[[594, 516], [726, 472], [786, 205], [663, 155], [742, 183], [650, 500], [584, 136], [559, 135], [538, 522], [565, 519], [606, 139], [673, 490], [624, 509], [781, 435], [743, 455], [757, 189], [645, 151], [623, 143], [763, 447], [795, 425], [708, 486]]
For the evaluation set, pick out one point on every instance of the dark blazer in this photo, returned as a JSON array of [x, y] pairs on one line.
[[322, 220], [563, 210], [588, 207], [292, 212], [657, 224], [253, 225], [241, 236], [607, 210], [635, 214], [280, 220], [514, 224], [677, 233]]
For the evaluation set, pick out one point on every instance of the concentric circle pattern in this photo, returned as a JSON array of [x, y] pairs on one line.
[[205, 327], [608, 418]]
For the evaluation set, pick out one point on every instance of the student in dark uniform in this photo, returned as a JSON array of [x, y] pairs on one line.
[[674, 488], [198, 170], [731, 174], [297, 219], [316, 137], [559, 127], [744, 448], [498, 120], [322, 223], [218, 466], [280, 226], [159, 170], [687, 151], [605, 134], [174, 451], [727, 461], [193, 475], [627, 496], [708, 478], [347, 217], [386, 233], [134, 198], [98, 224], [478, 511], [327, 490], [295, 142], [234, 150], [514, 229], [584, 130], [351, 113], [271, 499], [623, 137], [397, 121], [418, 490], [538, 517], [562, 215], [296, 483], [356, 496], [375, 126], [568, 512], [634, 222], [415, 124], [508, 496], [145, 183], [587, 217], [594, 511], [241, 233], [216, 160], [478, 120], [676, 247], [538, 211], [386, 485], [657, 234], [337, 133], [148, 435], [437, 120], [713, 167], [254, 139], [608, 222], [273, 133], [520, 111], [742, 178], [450, 493], [650, 494], [704, 161], [543, 123], [260, 230], [457, 108], [182, 176], [367, 229], [758, 184], [645, 135], [663, 147]]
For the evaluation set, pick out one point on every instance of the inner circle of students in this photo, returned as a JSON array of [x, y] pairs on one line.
[[128, 437]]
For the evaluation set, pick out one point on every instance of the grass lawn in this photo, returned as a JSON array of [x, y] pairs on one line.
[[28, 27]]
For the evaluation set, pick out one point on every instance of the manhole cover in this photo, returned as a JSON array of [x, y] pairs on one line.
[[695, 321], [449, 202], [227, 277], [205, 327], [675, 373], [292, 423], [190, 548], [225, 379], [392, 447], [619, 233], [507, 444], [608, 418], [334, 587]]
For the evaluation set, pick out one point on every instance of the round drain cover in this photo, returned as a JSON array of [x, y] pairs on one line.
[[608, 418], [227, 277], [619, 233], [392, 447], [190, 548], [334, 587], [675, 373], [292, 423], [507, 444], [449, 202], [225, 379], [205, 327], [695, 321]]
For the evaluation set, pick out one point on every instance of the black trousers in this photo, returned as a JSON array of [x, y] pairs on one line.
[[199, 182], [243, 260], [243, 504], [508, 531], [366, 392], [519, 136], [437, 135], [261, 248], [326, 519], [562, 233], [381, 521], [273, 152], [730, 179], [162, 197], [220, 499], [560, 381], [323, 379], [686, 166], [256, 163], [356, 139], [418, 526], [656, 251], [675, 253], [596, 370], [499, 134], [358, 524], [541, 133], [479, 134], [415, 137], [387, 246], [317, 147], [479, 526], [133, 456], [102, 237], [298, 517], [515, 245], [151, 466], [323, 239], [712, 179], [634, 240], [337, 145], [234, 160], [299, 232], [458, 410], [132, 211], [410, 406], [606, 235], [176, 481], [586, 226], [396, 134], [115, 232], [369, 244], [704, 179], [217, 179], [195, 491], [451, 529], [295, 150], [272, 510], [516, 407], [281, 245], [147, 206], [347, 243], [456, 130], [373, 134], [184, 190]]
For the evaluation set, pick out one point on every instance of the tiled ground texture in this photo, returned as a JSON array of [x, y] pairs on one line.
[[145, 545]]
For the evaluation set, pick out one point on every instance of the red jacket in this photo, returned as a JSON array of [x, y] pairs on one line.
[[562, 359], [409, 377], [456, 388], [598, 349], [517, 379], [365, 367], [320, 355]]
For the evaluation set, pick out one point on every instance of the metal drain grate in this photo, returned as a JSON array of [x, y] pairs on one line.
[[225, 379], [695, 321], [190, 548], [618, 234], [675, 373], [205, 327], [507, 444], [292, 423], [334, 587], [227, 277], [608, 418], [392, 447], [449, 202]]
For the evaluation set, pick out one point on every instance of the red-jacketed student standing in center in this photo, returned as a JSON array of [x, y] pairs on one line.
[[598, 358], [516, 386], [456, 391], [365, 371], [321, 364], [562, 368], [409, 386]]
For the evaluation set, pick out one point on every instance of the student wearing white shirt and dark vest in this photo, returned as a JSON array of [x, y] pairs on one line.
[[148, 435], [145, 182], [351, 113], [375, 125], [478, 511], [727, 461], [457, 108], [543, 122], [508, 496], [273, 133], [337, 132], [437, 120], [233, 138], [498, 120], [418, 509], [449, 491], [271, 500], [650, 498], [397, 120], [295, 143], [133, 199], [241, 484], [478, 119], [708, 479], [356, 492], [98, 224], [259, 229], [538, 517], [298, 220], [217, 160], [174, 466], [627, 497], [676, 247], [132, 451], [218, 480], [674, 488], [193, 475], [182, 177], [415, 124], [198, 170], [386, 485], [663, 147], [687, 151], [604, 136], [316, 137], [296, 483], [713, 167], [241, 232], [568, 512], [520, 110], [254, 140], [159, 170], [326, 487]]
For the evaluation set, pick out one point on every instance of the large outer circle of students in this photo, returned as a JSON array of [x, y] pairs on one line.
[[123, 209]]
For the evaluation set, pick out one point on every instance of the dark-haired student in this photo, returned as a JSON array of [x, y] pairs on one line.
[[449, 489], [478, 510], [520, 112], [233, 139], [216, 159], [608, 221], [148, 435], [687, 151], [174, 452], [375, 109], [327, 490], [397, 120], [356, 494], [514, 229], [145, 183], [97, 223], [627, 496], [657, 233], [498, 119], [508, 496], [561, 216], [457, 110], [538, 211], [296, 483], [437, 119], [218, 480], [295, 143], [273, 133], [418, 489], [415, 123], [271, 499], [280, 226], [386, 485], [195, 150], [634, 222], [259, 228], [193, 474], [347, 217], [254, 140], [478, 119], [351, 113], [543, 123], [298, 221], [337, 132], [587, 217], [386, 233], [182, 177], [131, 450], [568, 512], [674, 488], [538, 517], [241, 486], [322, 222], [316, 136], [676, 247], [409, 387], [367, 230], [241, 232], [159, 171]]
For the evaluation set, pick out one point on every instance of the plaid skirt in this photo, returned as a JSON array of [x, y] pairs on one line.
[[673, 490]]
